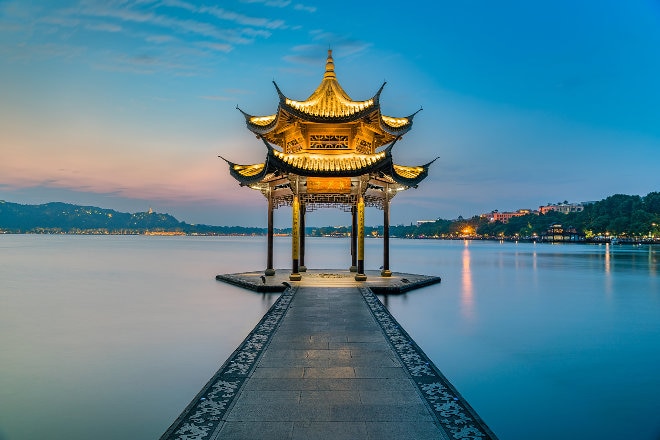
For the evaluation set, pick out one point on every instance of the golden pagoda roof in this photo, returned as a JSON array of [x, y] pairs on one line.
[[320, 164], [292, 134], [395, 122], [329, 103], [262, 121], [249, 170], [408, 172], [325, 163], [329, 100]]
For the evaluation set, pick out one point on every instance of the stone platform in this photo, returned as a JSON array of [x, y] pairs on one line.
[[396, 284], [328, 361]]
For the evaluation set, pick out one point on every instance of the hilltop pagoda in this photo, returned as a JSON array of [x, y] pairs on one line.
[[328, 151]]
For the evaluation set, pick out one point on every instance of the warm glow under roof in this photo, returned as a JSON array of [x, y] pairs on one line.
[[394, 122], [262, 120], [335, 162], [249, 170]]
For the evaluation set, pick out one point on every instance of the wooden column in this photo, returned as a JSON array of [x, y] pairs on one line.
[[269, 259], [303, 211], [295, 239], [353, 239], [360, 276], [386, 272]]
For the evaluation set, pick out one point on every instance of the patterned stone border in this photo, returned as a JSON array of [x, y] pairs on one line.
[[453, 412], [203, 416], [404, 285]]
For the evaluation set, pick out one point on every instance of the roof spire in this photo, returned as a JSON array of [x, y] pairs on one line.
[[329, 66]]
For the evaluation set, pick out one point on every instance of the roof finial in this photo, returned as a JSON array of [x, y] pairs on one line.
[[329, 66]]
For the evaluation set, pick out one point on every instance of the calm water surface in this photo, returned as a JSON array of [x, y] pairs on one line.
[[110, 337]]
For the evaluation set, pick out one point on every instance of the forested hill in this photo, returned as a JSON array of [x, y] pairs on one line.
[[618, 215], [65, 218]]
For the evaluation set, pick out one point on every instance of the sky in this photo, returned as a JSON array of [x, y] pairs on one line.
[[126, 104]]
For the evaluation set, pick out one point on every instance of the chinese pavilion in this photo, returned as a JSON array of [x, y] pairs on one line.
[[328, 151]]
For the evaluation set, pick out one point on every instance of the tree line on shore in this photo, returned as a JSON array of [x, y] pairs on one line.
[[619, 215], [65, 218]]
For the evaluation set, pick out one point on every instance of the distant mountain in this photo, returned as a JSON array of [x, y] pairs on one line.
[[65, 218]]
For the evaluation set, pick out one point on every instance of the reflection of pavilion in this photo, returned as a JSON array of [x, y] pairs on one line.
[[328, 151]]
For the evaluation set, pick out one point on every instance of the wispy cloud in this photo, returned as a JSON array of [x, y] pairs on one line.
[[60, 21], [216, 98], [103, 27], [313, 53], [343, 43], [179, 4], [175, 25], [220, 47], [165, 29], [228, 15], [273, 3], [301, 7], [145, 64], [160, 39], [224, 14], [282, 4], [27, 52]]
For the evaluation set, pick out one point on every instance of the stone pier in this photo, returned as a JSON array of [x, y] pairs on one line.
[[328, 361]]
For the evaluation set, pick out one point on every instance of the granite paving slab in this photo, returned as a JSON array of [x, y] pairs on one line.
[[328, 361]]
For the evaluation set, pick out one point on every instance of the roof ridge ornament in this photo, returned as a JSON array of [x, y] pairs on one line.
[[413, 115], [376, 97], [430, 163], [231, 164], [269, 147], [329, 67], [279, 92], [388, 150], [247, 115]]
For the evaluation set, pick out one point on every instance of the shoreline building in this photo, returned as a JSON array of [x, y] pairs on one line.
[[504, 217], [556, 232], [328, 151], [564, 208]]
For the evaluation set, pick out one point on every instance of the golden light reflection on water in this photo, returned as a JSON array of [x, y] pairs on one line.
[[535, 268], [608, 263], [653, 264], [467, 299], [608, 269]]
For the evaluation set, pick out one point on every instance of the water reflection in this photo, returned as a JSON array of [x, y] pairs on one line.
[[543, 333], [653, 262], [467, 299], [267, 299], [106, 321], [608, 269], [90, 338], [535, 273]]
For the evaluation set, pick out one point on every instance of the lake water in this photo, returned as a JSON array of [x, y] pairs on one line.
[[111, 337]]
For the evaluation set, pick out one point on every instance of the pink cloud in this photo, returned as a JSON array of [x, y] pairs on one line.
[[167, 176]]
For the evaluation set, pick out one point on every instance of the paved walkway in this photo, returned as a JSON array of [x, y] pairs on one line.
[[329, 373], [328, 361]]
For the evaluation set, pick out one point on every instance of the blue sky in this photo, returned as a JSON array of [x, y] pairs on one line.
[[127, 104]]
